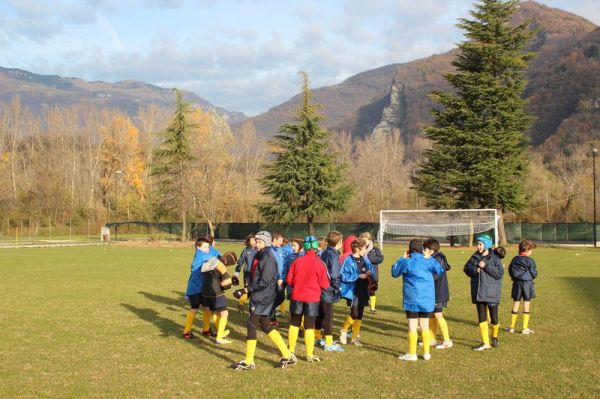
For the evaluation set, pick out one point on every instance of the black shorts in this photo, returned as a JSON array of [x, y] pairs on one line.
[[195, 301], [358, 301], [524, 290], [417, 315], [260, 309], [218, 303], [439, 307], [305, 308]]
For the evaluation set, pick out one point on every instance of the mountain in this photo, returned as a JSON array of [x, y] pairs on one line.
[[38, 91], [563, 89]]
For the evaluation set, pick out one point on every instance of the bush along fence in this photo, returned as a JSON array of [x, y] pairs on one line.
[[548, 233]]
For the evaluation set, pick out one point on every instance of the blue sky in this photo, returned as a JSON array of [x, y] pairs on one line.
[[243, 55]]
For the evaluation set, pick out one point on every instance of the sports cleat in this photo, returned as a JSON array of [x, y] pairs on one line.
[[527, 331], [223, 342], [188, 335], [427, 356], [481, 347], [495, 342], [445, 345], [275, 324], [374, 311], [407, 357], [320, 343], [209, 333], [312, 359], [432, 342], [239, 366], [356, 342], [343, 337], [333, 348], [509, 330], [287, 361]]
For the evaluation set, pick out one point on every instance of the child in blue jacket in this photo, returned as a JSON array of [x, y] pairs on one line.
[[416, 267], [522, 271]]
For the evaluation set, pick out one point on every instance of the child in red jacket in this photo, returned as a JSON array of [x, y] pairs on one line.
[[307, 277]]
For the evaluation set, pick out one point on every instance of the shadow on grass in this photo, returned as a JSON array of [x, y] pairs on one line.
[[588, 288]]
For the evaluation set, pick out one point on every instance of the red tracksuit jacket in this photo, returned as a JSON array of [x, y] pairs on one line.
[[308, 276]]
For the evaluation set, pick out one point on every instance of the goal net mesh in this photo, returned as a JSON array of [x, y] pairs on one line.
[[437, 223]]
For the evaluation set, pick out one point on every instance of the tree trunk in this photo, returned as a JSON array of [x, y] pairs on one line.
[[501, 230], [183, 225], [311, 228]]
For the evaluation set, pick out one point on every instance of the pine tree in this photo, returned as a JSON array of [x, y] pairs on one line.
[[171, 166], [478, 157], [303, 181]]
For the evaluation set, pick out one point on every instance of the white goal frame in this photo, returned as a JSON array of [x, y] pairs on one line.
[[383, 212]]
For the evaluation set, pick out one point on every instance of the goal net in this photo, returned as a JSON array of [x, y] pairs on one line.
[[394, 224]]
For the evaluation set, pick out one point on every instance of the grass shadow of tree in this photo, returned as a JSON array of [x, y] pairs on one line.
[[587, 290]]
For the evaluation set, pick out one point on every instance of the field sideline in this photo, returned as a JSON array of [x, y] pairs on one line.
[[107, 322]]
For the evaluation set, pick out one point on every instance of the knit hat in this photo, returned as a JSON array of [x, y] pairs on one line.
[[264, 236], [311, 242], [486, 240]]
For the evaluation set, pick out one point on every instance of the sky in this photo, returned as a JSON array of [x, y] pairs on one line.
[[243, 55]]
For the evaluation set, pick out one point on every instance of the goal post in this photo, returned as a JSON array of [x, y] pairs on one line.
[[437, 223]]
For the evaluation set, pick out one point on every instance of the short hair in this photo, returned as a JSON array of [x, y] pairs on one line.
[[415, 246], [526, 245], [500, 252], [277, 234], [201, 241], [209, 239], [334, 237], [322, 242], [298, 240], [357, 244], [432, 243], [249, 237], [366, 235]]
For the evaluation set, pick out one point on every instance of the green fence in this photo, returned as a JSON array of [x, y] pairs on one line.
[[568, 233]]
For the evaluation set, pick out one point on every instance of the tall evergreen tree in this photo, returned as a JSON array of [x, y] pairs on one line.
[[171, 166], [303, 181], [479, 154]]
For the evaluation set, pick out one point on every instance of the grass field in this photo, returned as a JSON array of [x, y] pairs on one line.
[[107, 322]]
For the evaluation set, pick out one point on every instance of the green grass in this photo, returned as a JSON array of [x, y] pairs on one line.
[[107, 321]]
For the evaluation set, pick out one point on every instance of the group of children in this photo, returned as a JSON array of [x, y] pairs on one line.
[[315, 274]]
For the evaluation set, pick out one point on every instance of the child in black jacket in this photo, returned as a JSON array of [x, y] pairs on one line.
[[522, 271]]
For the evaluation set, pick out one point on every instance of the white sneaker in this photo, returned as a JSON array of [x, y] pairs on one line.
[[445, 345], [407, 357], [356, 342], [482, 347], [509, 330], [527, 331], [343, 337], [431, 343], [427, 356]]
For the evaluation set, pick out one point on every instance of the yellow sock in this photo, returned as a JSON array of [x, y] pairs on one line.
[[317, 334], [206, 316], [373, 301], [347, 323], [282, 307], [309, 341], [495, 329], [513, 319], [525, 320], [426, 338], [243, 300], [329, 340], [189, 320], [215, 319], [278, 341], [432, 327], [444, 327], [221, 328], [485, 333], [412, 343], [250, 349], [356, 328], [293, 337]]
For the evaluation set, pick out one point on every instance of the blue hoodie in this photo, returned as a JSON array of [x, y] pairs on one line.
[[349, 274], [194, 285], [418, 289]]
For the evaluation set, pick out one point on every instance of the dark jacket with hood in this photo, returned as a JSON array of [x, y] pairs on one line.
[[331, 258], [486, 286], [262, 279], [442, 292]]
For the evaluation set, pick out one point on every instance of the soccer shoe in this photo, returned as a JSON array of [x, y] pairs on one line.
[[188, 335], [275, 324], [495, 342], [320, 343], [312, 359], [445, 345], [343, 337], [223, 342], [509, 330], [407, 357], [243, 366], [356, 342], [481, 347], [287, 361], [427, 356], [333, 348], [209, 333], [527, 331], [432, 342], [374, 311]]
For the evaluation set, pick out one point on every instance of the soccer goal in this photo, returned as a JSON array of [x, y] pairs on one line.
[[394, 224]]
